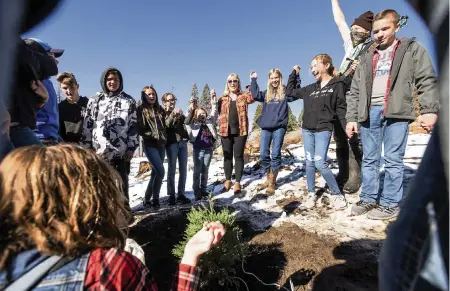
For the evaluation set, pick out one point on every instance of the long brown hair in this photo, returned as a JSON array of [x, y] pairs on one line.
[[148, 109], [61, 200], [326, 59]]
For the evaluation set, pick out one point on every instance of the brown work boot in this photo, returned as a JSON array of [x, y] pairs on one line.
[[264, 185], [227, 185], [272, 184], [237, 188]]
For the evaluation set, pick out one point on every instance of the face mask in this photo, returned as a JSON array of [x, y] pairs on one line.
[[359, 37]]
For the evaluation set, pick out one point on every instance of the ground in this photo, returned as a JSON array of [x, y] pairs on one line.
[[317, 249]]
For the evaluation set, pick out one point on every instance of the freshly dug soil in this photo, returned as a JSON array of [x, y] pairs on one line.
[[279, 255]]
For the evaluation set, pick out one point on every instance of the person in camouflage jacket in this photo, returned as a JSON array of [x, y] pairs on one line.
[[110, 124]]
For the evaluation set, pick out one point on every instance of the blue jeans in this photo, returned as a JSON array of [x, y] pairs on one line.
[[202, 160], [156, 157], [393, 134], [276, 138], [177, 151], [22, 136], [316, 147], [415, 252]]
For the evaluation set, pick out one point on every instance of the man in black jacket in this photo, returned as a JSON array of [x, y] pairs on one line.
[[72, 109]]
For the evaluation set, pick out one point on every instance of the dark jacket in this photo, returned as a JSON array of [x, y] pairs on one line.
[[321, 105], [411, 68], [30, 65], [275, 113], [152, 127], [175, 128], [71, 117]]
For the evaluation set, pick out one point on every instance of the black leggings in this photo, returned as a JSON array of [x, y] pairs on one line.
[[233, 144], [122, 168]]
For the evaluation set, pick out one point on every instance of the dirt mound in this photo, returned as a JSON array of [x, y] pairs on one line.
[[278, 255]]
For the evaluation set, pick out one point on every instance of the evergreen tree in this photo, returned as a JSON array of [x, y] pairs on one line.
[[257, 115], [220, 263], [205, 99], [300, 117], [195, 91], [292, 121]]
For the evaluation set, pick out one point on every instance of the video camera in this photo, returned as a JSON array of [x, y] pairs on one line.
[[33, 65]]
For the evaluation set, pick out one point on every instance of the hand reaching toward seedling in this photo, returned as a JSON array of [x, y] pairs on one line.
[[203, 241]]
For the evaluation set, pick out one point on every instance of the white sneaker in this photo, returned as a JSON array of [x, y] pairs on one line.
[[336, 202], [311, 200]]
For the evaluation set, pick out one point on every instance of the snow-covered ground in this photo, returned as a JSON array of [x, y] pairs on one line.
[[263, 212]]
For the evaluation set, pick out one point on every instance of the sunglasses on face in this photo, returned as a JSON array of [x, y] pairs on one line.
[[232, 81], [171, 100]]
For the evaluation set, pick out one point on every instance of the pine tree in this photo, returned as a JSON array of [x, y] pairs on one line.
[[194, 91], [257, 115], [300, 117], [292, 121], [220, 263], [205, 99]]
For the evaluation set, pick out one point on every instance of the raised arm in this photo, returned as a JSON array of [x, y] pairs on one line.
[[339, 19], [214, 112], [293, 91], [254, 88], [190, 111]]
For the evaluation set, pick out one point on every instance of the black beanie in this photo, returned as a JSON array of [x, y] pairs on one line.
[[365, 20]]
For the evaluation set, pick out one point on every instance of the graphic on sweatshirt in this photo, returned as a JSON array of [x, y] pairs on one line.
[[110, 126]]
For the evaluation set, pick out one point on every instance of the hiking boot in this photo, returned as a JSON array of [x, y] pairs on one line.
[[266, 183], [155, 204], [361, 208], [147, 204], [227, 185], [237, 188], [354, 163], [383, 213], [183, 199], [172, 200], [204, 193], [272, 184], [311, 200], [335, 202]]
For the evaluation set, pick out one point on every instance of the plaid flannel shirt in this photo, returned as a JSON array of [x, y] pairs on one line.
[[111, 269], [242, 101]]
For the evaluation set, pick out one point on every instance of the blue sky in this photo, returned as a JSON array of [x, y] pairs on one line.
[[174, 43]]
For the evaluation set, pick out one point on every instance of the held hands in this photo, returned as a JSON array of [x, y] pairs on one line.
[[192, 104], [427, 121], [351, 129], [297, 69], [213, 96], [178, 113], [253, 75], [209, 236]]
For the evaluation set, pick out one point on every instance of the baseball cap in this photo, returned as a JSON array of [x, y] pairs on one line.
[[35, 42]]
